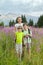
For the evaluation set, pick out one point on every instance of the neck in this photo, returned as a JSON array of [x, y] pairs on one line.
[[19, 31], [25, 29], [19, 22]]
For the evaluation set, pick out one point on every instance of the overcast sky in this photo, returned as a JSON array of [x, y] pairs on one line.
[[28, 7]]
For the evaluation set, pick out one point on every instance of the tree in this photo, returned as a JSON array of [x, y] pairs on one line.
[[11, 23], [40, 21], [2, 24], [36, 25], [30, 22], [24, 20]]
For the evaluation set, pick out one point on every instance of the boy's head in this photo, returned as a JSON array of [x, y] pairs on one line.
[[19, 29], [25, 25], [19, 19]]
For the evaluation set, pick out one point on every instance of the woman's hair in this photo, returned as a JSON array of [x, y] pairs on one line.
[[17, 19]]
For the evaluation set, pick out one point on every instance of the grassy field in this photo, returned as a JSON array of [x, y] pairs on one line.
[[8, 54]]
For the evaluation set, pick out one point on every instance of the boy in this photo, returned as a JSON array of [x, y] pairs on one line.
[[27, 39], [19, 36]]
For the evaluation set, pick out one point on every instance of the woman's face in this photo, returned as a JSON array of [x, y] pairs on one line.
[[19, 20]]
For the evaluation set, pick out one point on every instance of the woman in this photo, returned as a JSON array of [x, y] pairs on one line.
[[19, 23]]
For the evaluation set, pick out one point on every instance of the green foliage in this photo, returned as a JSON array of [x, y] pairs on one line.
[[40, 21], [30, 22], [24, 20], [11, 23], [1, 23]]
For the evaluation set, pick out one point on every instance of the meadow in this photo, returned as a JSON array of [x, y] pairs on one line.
[[7, 48]]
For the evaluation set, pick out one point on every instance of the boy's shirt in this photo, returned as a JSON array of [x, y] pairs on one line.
[[29, 39], [19, 36]]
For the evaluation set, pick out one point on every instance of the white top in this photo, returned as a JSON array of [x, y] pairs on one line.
[[18, 24]]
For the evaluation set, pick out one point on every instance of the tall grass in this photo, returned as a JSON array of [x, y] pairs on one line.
[[8, 54]]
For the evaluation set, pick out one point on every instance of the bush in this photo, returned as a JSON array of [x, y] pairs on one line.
[[2, 24]]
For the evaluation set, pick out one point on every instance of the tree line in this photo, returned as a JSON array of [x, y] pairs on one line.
[[24, 20]]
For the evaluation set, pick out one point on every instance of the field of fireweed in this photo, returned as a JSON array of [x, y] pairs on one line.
[[7, 48]]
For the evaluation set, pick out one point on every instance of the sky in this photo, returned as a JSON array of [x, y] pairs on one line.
[[28, 7]]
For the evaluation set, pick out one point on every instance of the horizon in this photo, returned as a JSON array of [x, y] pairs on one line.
[[11, 16]]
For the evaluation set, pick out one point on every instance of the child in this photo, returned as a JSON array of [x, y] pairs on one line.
[[19, 36], [27, 39]]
